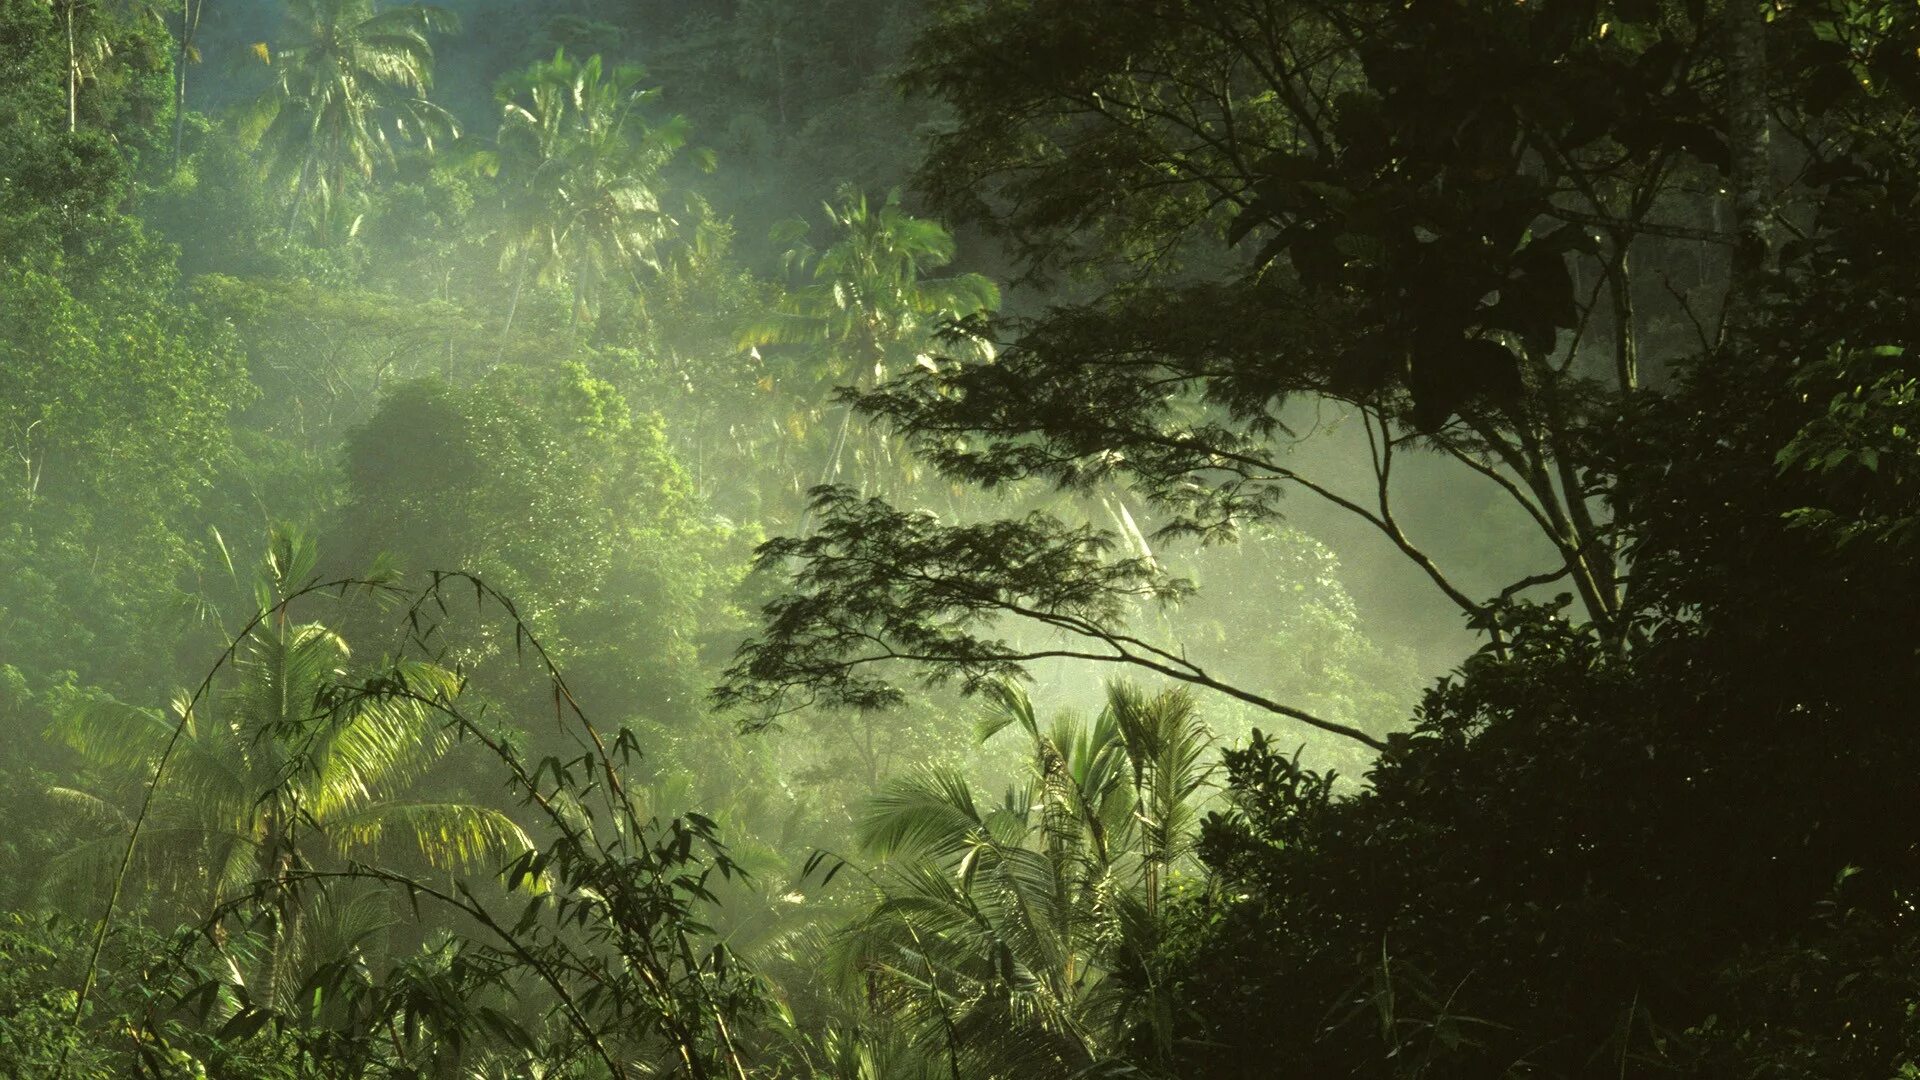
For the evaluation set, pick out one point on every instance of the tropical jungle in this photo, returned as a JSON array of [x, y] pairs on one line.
[[959, 539]]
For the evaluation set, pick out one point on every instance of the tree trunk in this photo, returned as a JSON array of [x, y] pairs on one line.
[[780, 85], [1115, 504], [1626, 350], [832, 470], [446, 297], [867, 753], [190, 12], [281, 971], [513, 305], [179, 104], [583, 291], [300, 193], [73, 74], [1750, 178], [280, 956]]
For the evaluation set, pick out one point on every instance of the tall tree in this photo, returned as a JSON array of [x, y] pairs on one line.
[[350, 81], [581, 174], [1750, 176], [870, 304], [186, 37]]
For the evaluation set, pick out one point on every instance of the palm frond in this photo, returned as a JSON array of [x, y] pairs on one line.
[[448, 835], [88, 808], [994, 934], [381, 748], [929, 810], [1167, 748], [111, 734], [1008, 705]]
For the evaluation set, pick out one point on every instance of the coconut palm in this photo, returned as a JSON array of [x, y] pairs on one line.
[[350, 83], [580, 167], [994, 928], [869, 303], [278, 770]]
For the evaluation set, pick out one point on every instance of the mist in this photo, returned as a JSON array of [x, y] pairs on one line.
[[964, 539]]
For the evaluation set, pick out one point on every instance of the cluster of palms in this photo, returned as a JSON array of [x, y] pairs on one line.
[[579, 165], [270, 773], [995, 933], [578, 162], [581, 200]]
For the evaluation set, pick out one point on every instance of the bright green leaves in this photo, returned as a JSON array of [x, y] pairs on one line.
[[114, 406], [290, 758]]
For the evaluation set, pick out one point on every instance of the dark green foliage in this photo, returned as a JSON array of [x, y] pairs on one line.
[[122, 104], [1672, 861], [36, 1000], [1396, 158], [1575, 863], [1445, 209], [879, 584]]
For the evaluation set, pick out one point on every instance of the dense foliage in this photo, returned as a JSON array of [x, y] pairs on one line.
[[920, 539]]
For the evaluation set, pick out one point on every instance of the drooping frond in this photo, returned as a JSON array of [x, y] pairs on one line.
[[111, 734], [377, 750], [929, 811], [450, 836], [350, 86], [339, 927], [167, 857], [89, 808], [1008, 705], [283, 674]]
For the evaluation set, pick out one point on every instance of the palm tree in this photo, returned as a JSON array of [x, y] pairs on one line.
[[275, 771], [869, 302], [580, 167], [351, 84], [994, 928]]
